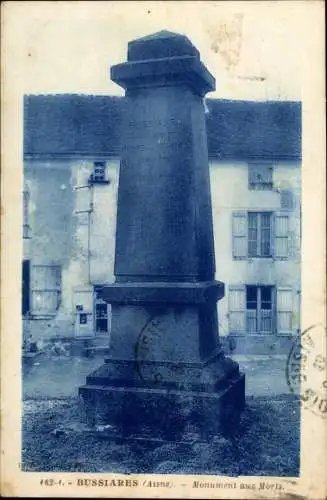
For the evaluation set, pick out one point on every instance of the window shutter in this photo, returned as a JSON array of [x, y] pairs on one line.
[[284, 310], [281, 236], [236, 308], [286, 199], [45, 289], [239, 232], [26, 227]]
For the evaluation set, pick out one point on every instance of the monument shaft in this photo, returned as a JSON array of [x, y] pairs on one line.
[[165, 351], [164, 222]]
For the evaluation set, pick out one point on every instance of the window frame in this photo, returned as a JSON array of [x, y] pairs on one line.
[[95, 178], [259, 317], [240, 241], [259, 185], [277, 307], [259, 228], [98, 301]]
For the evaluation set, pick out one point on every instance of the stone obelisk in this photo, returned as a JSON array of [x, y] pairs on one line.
[[167, 374]]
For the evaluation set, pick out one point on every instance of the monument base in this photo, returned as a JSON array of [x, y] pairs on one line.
[[153, 409]]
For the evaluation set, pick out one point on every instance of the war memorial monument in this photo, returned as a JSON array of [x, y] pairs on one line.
[[166, 376]]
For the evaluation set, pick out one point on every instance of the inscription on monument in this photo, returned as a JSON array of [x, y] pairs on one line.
[[156, 139]]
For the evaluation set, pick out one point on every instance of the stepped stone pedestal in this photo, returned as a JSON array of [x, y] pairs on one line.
[[166, 376]]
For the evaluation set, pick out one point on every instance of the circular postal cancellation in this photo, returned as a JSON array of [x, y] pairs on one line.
[[150, 341], [306, 369]]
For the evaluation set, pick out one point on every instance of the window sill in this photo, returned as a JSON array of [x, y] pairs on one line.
[[260, 187], [271, 259], [247, 334], [42, 315], [288, 334], [262, 335], [98, 181], [265, 257], [251, 259]]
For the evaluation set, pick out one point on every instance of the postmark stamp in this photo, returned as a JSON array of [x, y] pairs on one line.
[[157, 360], [142, 348], [306, 370]]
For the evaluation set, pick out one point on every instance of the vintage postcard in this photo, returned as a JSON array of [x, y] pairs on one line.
[[163, 250]]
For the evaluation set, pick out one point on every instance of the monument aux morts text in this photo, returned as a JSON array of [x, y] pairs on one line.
[[166, 376]]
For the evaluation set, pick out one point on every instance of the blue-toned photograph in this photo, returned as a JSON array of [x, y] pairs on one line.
[[161, 272]]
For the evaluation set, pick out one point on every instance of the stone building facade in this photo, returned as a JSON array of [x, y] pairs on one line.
[[71, 170]]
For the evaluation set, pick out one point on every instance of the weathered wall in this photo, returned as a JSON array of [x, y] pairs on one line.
[[229, 189], [84, 244]]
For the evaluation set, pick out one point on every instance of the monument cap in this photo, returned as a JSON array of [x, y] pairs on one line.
[[163, 59], [160, 45]]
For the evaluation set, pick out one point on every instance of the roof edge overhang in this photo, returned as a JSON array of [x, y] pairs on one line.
[[117, 155], [70, 156]]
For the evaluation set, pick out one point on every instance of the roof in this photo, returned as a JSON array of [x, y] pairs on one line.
[[69, 124], [83, 125], [249, 129]]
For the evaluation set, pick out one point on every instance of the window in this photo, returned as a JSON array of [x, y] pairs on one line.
[[45, 289], [102, 312], [260, 309], [260, 234], [26, 227], [99, 173], [260, 176]]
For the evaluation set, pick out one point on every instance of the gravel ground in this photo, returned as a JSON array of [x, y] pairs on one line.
[[55, 439]]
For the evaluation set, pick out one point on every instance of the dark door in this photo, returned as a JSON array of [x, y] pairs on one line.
[[26, 287]]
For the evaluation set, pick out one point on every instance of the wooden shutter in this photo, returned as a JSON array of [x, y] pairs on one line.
[[281, 239], [236, 308], [284, 310], [26, 227], [239, 233], [45, 289], [286, 199]]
